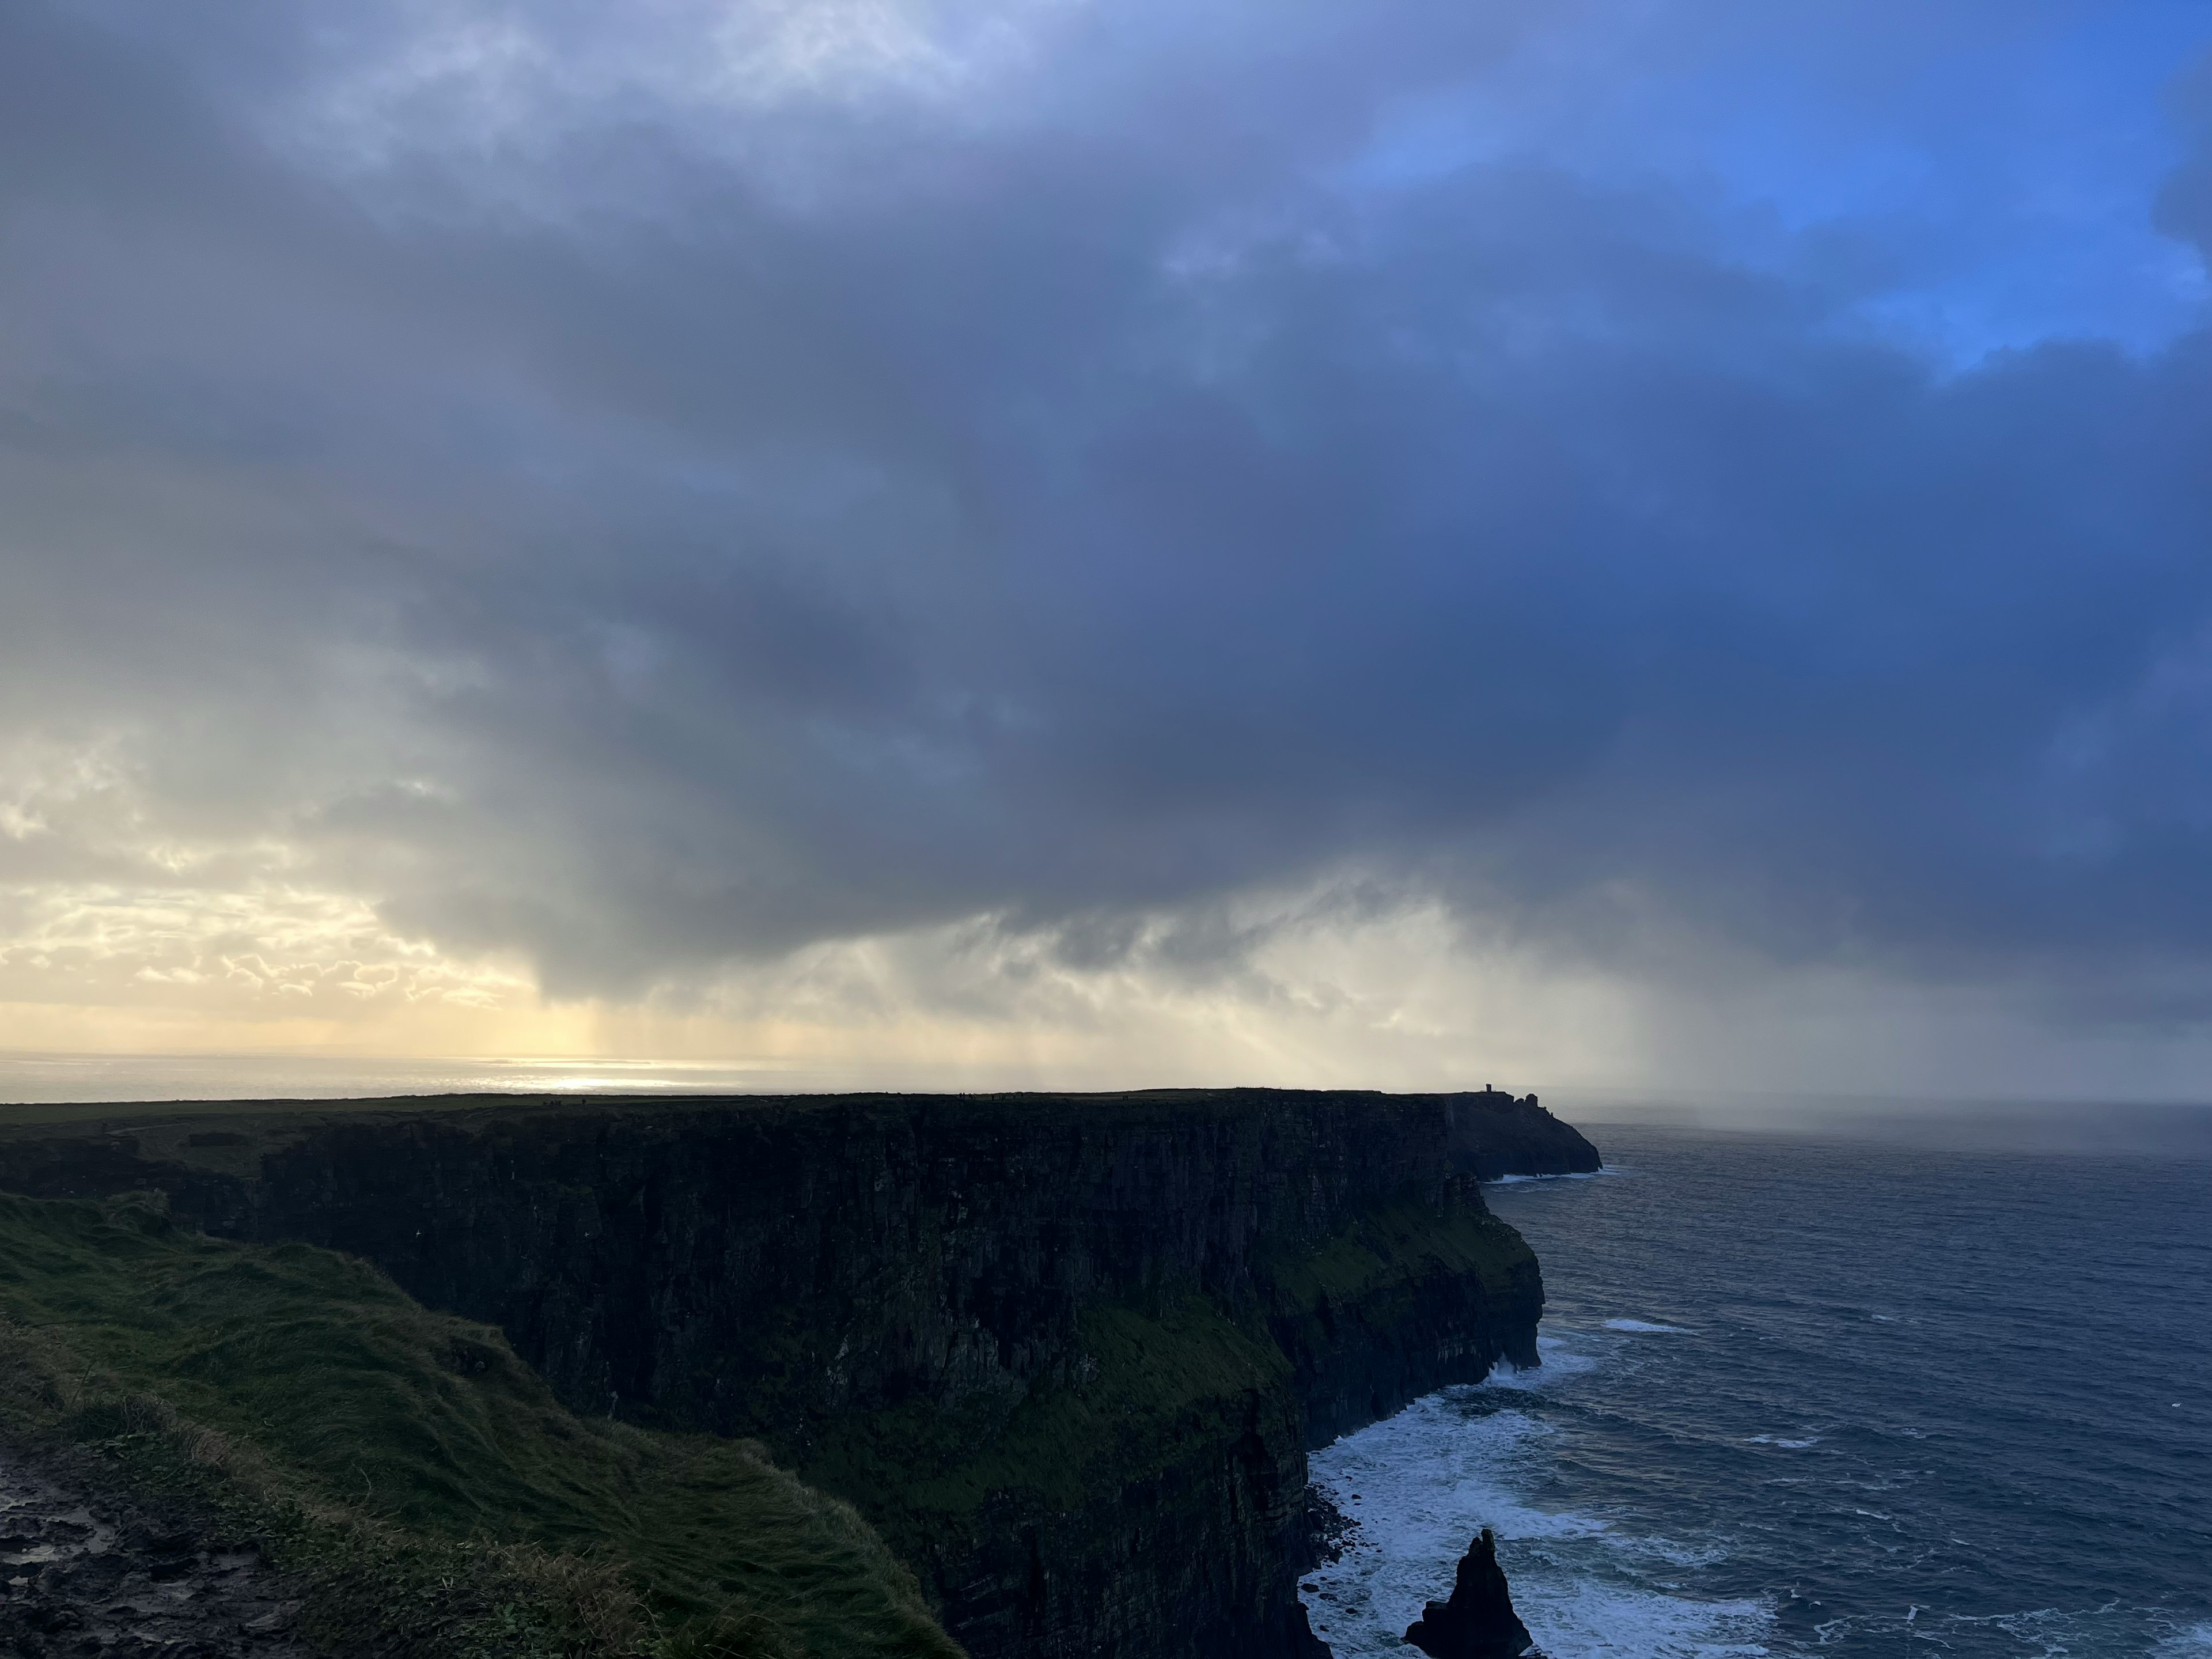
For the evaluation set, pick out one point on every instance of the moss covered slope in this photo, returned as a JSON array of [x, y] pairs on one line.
[[417, 1473], [1066, 1354], [1182, 1424]]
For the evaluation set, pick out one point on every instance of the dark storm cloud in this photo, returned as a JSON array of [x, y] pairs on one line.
[[649, 532]]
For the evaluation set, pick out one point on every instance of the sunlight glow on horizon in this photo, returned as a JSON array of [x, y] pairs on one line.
[[1025, 540]]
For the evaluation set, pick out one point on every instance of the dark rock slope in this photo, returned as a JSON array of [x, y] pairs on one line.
[[1067, 1352]]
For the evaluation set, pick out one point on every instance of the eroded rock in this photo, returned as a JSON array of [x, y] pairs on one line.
[[1478, 1621]]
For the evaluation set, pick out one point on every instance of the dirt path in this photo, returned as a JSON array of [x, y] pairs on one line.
[[84, 1570]]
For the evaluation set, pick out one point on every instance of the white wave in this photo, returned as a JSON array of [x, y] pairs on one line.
[[1560, 1362], [1588, 1618], [2059, 1633], [1420, 1484], [1507, 1374], [1644, 1325], [1564, 1175], [1414, 1480], [1792, 1445]]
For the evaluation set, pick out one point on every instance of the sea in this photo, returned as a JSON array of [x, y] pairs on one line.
[[1939, 1381], [1803, 1395]]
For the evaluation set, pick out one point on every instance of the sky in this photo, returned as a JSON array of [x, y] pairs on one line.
[[1604, 543]]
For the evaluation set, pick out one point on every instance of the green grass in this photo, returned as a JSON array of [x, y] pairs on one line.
[[1374, 1269], [377, 1446], [1156, 1382], [1394, 1244], [1163, 1393], [361, 1407], [1184, 1370]]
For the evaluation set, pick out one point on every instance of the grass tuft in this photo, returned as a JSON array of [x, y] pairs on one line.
[[418, 1476]]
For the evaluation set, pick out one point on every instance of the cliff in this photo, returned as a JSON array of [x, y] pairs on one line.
[[211, 1449], [1065, 1352]]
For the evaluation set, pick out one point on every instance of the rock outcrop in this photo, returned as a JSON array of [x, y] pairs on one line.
[[1478, 1621], [1066, 1353]]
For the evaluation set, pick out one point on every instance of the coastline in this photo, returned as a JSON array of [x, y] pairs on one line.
[[1016, 1331]]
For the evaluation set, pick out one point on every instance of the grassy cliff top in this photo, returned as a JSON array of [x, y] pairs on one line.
[[410, 1467], [118, 1117], [230, 1139]]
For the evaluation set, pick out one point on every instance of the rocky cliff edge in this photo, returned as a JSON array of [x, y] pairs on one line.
[[1067, 1352]]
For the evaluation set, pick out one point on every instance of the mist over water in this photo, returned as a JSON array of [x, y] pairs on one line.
[[1810, 1395], [2166, 1126]]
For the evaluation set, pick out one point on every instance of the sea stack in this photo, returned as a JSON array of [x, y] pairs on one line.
[[1478, 1621]]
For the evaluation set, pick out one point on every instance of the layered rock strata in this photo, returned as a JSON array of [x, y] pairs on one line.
[[1067, 1352]]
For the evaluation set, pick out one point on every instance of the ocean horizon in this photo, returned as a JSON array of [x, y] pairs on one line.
[[2055, 1124]]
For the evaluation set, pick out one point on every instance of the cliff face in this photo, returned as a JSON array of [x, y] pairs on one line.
[[1067, 1352]]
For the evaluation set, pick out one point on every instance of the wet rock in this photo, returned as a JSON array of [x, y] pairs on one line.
[[1478, 1621], [86, 1568]]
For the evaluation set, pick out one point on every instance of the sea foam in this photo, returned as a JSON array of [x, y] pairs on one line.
[[1562, 1174], [1419, 1484]]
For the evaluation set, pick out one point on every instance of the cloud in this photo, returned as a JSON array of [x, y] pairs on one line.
[[778, 480]]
